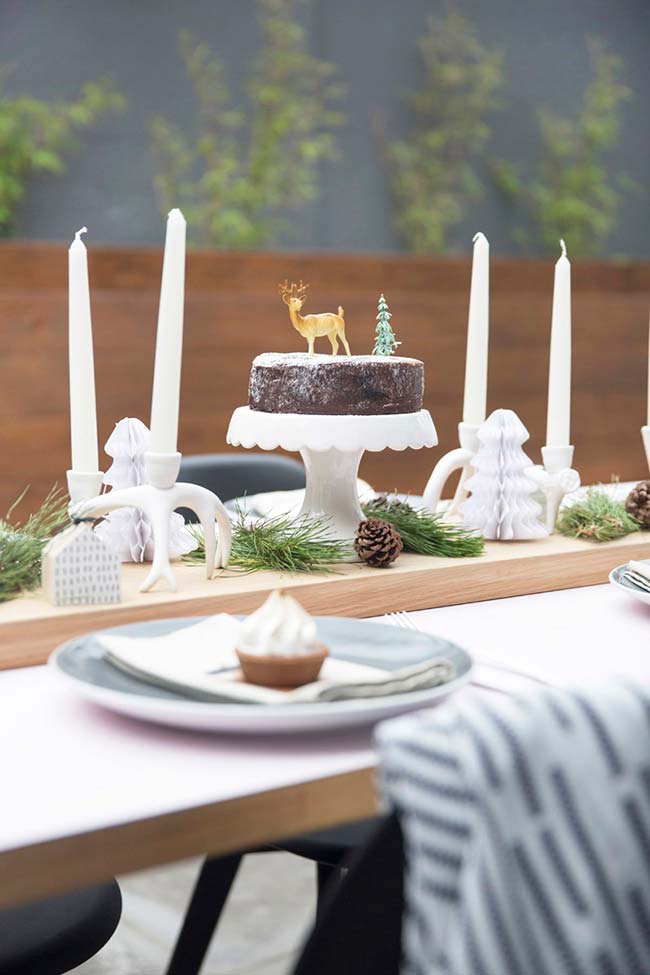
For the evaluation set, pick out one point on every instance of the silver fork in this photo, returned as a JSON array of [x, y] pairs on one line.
[[404, 622]]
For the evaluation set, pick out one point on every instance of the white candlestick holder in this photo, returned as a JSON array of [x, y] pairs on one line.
[[459, 459], [555, 478], [83, 485], [645, 436], [158, 499]]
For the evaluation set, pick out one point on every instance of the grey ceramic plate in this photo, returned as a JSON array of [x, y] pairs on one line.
[[82, 664], [617, 578]]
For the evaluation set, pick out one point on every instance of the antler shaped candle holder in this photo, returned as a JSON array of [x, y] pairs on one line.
[[555, 478], [158, 499], [458, 459]]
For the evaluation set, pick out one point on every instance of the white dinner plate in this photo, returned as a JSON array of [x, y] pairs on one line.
[[83, 665], [617, 578]]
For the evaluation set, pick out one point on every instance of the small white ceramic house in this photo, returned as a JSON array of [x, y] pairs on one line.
[[79, 569]]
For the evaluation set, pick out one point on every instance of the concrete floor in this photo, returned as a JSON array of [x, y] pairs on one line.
[[270, 908]]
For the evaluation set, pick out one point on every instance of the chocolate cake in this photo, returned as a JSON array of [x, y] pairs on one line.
[[361, 385]]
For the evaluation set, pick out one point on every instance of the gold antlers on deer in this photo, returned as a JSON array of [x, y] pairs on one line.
[[312, 327]]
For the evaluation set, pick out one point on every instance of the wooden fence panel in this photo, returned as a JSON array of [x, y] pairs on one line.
[[233, 312]]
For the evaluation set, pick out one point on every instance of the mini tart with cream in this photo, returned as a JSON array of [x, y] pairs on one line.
[[278, 645]]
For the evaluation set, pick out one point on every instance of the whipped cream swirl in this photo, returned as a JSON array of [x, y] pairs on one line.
[[281, 627]]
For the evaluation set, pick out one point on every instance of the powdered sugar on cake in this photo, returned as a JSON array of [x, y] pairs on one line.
[[295, 382]]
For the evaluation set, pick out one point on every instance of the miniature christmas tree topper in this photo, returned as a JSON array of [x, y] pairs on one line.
[[385, 341]]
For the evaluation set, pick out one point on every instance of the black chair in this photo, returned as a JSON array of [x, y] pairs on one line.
[[54, 936], [327, 848], [359, 927], [233, 475]]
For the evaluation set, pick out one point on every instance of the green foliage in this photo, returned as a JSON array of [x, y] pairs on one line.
[[35, 135], [598, 518], [21, 546], [283, 543], [433, 170], [423, 532], [247, 165], [385, 341], [573, 194]]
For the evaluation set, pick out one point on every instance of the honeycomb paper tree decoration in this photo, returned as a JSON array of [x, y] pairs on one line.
[[385, 341], [501, 504], [128, 530]]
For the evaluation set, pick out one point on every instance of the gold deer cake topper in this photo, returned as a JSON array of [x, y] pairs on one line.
[[312, 327]]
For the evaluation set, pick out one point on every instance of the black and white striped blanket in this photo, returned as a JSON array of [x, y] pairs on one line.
[[526, 825]]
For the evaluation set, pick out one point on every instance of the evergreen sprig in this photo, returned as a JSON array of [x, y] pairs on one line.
[[282, 543], [21, 546], [424, 532], [598, 517]]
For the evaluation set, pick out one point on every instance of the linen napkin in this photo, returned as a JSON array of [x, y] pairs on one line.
[[200, 662]]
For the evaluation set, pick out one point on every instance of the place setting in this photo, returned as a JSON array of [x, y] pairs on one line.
[[278, 670]]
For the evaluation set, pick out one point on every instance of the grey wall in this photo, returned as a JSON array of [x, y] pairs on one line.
[[55, 45]]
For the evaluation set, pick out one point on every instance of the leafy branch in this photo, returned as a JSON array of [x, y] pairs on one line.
[[35, 135], [434, 169], [573, 194], [247, 165]]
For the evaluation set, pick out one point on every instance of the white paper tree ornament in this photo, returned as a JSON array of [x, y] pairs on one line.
[[501, 505], [128, 530]]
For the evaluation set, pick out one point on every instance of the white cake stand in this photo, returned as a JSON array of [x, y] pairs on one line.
[[331, 448]]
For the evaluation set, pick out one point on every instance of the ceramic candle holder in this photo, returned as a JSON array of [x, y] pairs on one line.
[[458, 459], [83, 485], [158, 499], [555, 478]]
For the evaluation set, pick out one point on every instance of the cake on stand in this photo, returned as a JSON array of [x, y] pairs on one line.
[[331, 447]]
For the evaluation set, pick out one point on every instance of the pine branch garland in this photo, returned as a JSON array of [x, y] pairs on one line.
[[282, 543], [21, 546], [598, 517], [423, 532]]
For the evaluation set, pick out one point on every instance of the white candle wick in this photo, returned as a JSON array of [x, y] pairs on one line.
[[84, 230], [563, 246]]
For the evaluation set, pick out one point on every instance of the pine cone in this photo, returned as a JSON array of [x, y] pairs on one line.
[[638, 503], [377, 542]]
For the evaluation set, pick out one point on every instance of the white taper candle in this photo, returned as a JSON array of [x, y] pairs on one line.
[[83, 411], [478, 324], [558, 425], [169, 339]]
